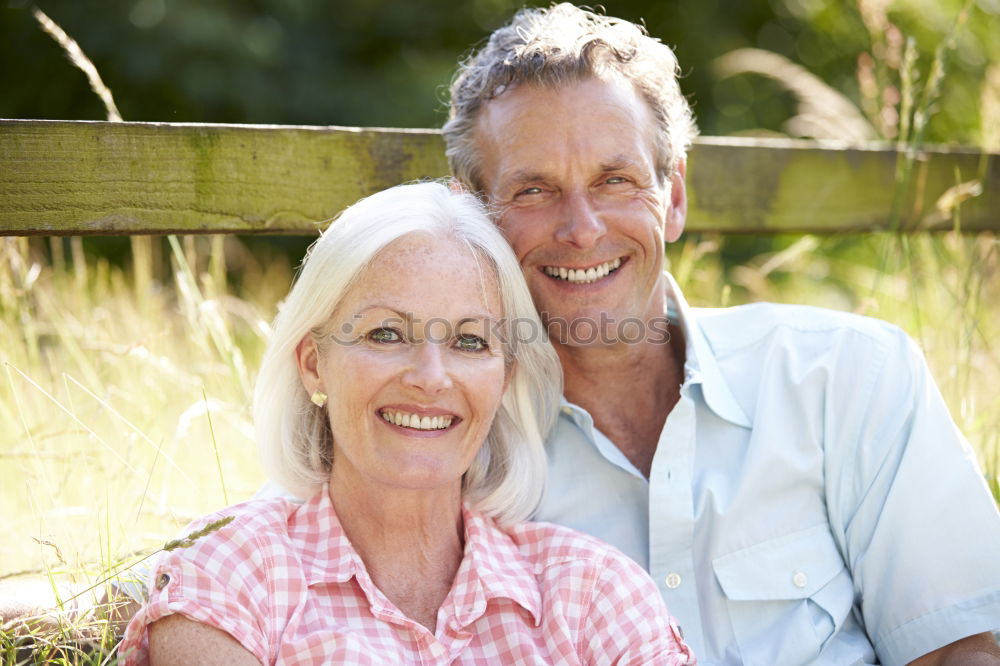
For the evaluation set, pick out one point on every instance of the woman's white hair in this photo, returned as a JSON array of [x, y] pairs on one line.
[[507, 478]]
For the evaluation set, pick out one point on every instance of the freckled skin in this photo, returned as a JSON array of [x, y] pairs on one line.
[[439, 284]]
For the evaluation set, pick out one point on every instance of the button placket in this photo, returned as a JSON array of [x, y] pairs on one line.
[[671, 515]]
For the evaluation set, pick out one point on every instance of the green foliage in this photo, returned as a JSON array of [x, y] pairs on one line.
[[388, 62]]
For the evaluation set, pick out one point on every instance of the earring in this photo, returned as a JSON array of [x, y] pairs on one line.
[[318, 398]]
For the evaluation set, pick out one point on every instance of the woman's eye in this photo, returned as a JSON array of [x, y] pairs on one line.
[[529, 191], [471, 343], [385, 335], [615, 180]]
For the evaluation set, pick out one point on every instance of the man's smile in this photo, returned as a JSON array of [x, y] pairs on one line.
[[583, 275]]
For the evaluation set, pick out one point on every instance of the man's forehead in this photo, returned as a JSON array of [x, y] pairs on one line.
[[560, 109]]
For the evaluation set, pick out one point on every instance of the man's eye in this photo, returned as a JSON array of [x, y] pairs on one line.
[[385, 335], [471, 343], [615, 180], [530, 191]]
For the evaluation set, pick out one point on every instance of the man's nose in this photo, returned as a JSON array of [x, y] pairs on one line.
[[428, 369], [582, 225]]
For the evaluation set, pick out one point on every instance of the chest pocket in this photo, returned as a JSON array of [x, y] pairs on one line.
[[786, 596]]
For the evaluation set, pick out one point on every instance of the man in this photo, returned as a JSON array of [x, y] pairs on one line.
[[789, 476]]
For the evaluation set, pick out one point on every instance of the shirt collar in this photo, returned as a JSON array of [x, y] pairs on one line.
[[492, 566], [327, 553], [700, 364]]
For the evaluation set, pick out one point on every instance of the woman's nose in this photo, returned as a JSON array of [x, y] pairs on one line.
[[428, 368]]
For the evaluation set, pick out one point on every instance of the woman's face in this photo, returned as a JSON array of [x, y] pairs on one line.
[[413, 375]]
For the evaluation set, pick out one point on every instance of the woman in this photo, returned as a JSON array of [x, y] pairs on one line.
[[396, 396]]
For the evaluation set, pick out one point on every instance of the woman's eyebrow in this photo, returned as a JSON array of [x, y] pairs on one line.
[[473, 318], [478, 318], [405, 316]]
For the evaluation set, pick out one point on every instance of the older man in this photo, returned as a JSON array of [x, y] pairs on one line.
[[790, 476]]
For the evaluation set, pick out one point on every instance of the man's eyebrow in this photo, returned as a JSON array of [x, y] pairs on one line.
[[617, 163], [522, 176]]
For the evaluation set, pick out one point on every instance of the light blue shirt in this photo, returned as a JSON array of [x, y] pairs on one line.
[[810, 500]]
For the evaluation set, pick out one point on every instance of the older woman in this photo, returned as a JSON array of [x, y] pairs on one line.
[[407, 390]]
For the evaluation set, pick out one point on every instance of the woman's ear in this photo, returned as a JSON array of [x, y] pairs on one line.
[[307, 360]]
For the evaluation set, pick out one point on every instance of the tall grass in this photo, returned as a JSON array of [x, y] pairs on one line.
[[122, 415]]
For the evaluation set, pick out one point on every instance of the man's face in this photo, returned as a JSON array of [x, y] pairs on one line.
[[573, 172]]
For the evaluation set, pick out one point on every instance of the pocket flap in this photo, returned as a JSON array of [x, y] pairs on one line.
[[794, 566]]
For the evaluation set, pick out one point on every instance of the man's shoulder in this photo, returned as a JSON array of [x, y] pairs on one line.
[[730, 329]]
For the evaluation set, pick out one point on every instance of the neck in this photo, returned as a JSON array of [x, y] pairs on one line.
[[411, 541], [610, 373], [628, 389]]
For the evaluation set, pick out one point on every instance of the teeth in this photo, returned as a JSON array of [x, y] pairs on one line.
[[582, 276], [416, 422]]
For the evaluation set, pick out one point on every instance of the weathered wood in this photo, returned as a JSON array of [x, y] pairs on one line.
[[115, 178], [776, 185], [73, 177]]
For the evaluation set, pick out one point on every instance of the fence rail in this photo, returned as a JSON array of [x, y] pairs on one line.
[[104, 178]]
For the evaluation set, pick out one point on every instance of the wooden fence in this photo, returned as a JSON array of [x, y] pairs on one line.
[[109, 178]]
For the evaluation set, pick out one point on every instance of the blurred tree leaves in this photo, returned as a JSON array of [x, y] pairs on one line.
[[388, 62]]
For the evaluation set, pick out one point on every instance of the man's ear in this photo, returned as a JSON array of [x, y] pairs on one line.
[[677, 213], [307, 360]]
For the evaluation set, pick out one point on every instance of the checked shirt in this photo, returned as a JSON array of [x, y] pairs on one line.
[[285, 582]]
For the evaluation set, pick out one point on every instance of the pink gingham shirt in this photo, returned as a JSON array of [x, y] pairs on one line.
[[284, 581]]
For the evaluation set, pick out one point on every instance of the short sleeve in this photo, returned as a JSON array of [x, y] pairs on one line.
[[921, 530], [627, 621], [219, 581]]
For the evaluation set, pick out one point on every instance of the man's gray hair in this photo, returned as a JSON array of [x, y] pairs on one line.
[[563, 45]]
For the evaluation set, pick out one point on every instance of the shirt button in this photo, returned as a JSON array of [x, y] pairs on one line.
[[799, 579], [673, 581], [567, 411], [162, 580]]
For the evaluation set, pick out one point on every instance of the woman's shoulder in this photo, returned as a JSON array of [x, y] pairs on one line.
[[255, 520]]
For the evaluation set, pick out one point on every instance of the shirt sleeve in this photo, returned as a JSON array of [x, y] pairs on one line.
[[920, 530], [627, 621], [218, 581]]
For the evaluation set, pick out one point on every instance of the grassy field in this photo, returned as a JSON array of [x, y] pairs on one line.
[[126, 390]]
